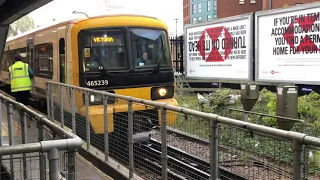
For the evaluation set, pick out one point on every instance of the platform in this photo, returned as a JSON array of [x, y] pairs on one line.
[[85, 170]]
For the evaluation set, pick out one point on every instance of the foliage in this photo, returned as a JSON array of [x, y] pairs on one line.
[[220, 102], [22, 25]]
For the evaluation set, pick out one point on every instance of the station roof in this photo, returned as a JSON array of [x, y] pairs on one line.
[[12, 10]]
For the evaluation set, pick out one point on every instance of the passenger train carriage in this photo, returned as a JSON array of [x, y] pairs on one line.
[[101, 53]]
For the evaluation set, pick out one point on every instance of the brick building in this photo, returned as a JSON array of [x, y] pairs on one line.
[[186, 12], [237, 7], [195, 11]]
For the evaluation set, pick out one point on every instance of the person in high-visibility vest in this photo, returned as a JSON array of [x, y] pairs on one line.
[[20, 75]]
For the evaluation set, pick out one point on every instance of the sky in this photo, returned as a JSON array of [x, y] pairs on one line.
[[166, 10]]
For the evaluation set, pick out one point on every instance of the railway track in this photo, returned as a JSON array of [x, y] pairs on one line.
[[181, 165], [189, 166], [255, 161]]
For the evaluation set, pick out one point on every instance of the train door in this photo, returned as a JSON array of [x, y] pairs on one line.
[[30, 53], [62, 60], [63, 65], [30, 61]]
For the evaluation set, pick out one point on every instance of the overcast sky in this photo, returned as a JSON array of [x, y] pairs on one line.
[[166, 10]]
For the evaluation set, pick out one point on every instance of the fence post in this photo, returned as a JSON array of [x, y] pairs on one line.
[[53, 157], [61, 106], [24, 141], [73, 109], [245, 116], [9, 116], [87, 120], [42, 163], [106, 137], [164, 157], [48, 100], [130, 139], [176, 51], [181, 54], [298, 154], [214, 152], [72, 165]]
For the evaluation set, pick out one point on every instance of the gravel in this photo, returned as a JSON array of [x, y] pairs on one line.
[[233, 162]]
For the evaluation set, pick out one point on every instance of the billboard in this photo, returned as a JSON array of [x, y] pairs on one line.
[[287, 45], [220, 49]]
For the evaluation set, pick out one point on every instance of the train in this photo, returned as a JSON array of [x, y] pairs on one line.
[[124, 54]]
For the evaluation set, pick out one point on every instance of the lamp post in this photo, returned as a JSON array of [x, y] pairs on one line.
[[75, 12], [176, 27], [176, 44]]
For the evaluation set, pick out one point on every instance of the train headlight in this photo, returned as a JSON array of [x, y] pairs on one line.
[[162, 92], [95, 98]]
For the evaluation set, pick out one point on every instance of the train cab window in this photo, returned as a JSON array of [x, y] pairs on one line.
[[5, 61], [62, 60], [150, 47], [44, 60], [102, 50], [8, 57]]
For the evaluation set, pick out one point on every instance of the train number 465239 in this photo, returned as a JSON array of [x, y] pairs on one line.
[[97, 83]]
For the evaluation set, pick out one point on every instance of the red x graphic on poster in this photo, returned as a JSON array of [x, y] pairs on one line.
[[305, 23], [214, 34]]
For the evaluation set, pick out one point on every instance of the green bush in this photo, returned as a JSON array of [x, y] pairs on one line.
[[219, 103]]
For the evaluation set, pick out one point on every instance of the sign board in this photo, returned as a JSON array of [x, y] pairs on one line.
[[87, 52], [220, 49], [288, 45]]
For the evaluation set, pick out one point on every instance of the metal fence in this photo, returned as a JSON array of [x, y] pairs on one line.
[[47, 153], [177, 47], [159, 141]]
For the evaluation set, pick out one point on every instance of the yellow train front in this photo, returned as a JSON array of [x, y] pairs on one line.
[[122, 54], [127, 55]]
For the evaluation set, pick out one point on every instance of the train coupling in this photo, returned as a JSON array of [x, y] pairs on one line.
[[143, 137]]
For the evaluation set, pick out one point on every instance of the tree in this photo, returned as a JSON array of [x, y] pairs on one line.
[[22, 25]]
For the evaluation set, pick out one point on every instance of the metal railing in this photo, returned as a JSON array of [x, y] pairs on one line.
[[48, 153], [187, 143]]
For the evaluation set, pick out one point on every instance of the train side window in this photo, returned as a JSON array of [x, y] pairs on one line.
[[44, 60], [62, 59], [4, 61], [11, 54]]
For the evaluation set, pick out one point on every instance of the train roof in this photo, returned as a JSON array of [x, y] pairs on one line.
[[72, 21]]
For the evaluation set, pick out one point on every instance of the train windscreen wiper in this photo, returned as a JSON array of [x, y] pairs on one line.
[[157, 67], [104, 70]]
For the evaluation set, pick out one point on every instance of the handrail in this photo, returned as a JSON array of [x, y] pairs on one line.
[[73, 142], [267, 115], [288, 135]]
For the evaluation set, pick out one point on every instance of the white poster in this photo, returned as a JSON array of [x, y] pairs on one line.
[[219, 50], [288, 46]]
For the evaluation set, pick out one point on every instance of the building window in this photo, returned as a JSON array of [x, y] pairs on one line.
[[194, 8], [199, 19], [209, 5], [241, 1], [252, 1], [215, 16], [194, 20], [215, 5], [199, 7], [209, 17]]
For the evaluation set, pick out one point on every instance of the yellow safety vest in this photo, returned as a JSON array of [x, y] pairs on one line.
[[19, 75]]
